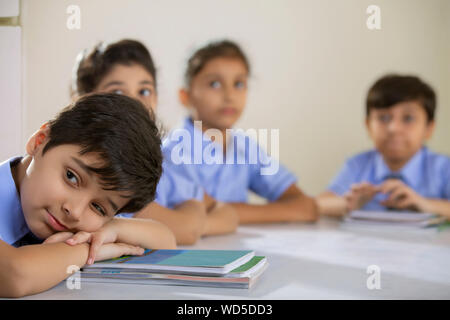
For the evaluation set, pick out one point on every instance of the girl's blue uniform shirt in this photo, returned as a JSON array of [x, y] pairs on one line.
[[427, 173], [228, 181], [173, 188]]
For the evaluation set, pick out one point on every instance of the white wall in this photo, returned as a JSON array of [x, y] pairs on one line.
[[10, 80], [9, 8], [10, 85], [312, 62]]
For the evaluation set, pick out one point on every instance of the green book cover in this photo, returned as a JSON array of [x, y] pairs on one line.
[[247, 266]]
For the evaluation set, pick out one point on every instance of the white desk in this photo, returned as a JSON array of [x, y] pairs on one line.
[[320, 261]]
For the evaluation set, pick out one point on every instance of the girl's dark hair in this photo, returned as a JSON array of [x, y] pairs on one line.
[[392, 89], [219, 49], [122, 132], [91, 67]]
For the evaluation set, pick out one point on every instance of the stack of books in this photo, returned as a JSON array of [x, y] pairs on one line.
[[394, 218], [206, 268]]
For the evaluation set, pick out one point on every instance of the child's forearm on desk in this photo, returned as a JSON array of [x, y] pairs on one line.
[[300, 208], [331, 204], [35, 268], [186, 220], [222, 218], [145, 233]]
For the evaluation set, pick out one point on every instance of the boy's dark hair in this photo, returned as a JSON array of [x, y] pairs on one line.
[[91, 67], [122, 132], [219, 49], [392, 89]]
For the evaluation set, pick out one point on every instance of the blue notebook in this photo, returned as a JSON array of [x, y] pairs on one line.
[[179, 261]]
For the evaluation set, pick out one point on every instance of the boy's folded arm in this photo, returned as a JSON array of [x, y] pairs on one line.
[[221, 218], [331, 204], [145, 233], [36, 268], [186, 220], [292, 205]]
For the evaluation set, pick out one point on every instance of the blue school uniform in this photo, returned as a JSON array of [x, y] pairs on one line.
[[173, 188], [427, 173], [228, 177], [12, 222]]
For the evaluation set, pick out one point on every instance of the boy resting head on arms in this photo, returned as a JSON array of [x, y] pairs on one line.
[[97, 158]]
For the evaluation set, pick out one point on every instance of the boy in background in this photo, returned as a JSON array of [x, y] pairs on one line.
[[400, 173]]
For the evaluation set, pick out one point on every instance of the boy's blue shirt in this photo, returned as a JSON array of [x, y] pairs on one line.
[[12, 222], [229, 182], [427, 173]]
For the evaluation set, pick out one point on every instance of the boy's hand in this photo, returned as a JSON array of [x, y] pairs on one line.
[[96, 239], [359, 195], [106, 234], [59, 237], [115, 250], [102, 246], [401, 196]]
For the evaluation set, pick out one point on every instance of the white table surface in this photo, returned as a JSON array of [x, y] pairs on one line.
[[326, 260]]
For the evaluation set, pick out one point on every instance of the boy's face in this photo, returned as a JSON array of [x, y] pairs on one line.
[[218, 93], [133, 81], [399, 131], [58, 194]]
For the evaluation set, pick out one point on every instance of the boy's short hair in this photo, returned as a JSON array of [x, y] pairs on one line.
[[92, 66], [219, 49], [121, 131], [392, 89]]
